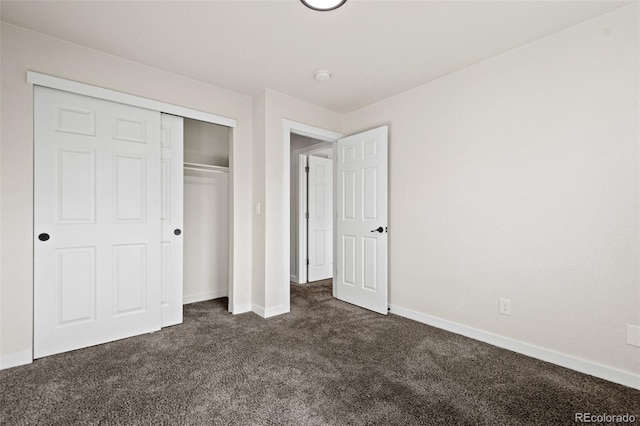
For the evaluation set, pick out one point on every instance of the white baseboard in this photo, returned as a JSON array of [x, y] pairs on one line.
[[293, 278], [270, 312], [16, 359], [278, 310], [583, 366], [258, 310], [241, 309], [207, 295]]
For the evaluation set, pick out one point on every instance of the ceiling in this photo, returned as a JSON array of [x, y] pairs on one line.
[[374, 49]]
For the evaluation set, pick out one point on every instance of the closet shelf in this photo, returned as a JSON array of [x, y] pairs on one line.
[[205, 168]]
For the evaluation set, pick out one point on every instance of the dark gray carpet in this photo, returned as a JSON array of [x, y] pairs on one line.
[[325, 363]]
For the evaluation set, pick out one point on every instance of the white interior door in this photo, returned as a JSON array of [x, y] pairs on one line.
[[361, 222], [96, 221], [320, 223], [172, 219]]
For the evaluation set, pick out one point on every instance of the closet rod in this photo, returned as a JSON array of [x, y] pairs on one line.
[[205, 168]]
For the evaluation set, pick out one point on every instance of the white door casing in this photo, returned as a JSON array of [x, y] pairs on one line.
[[301, 211], [320, 222], [172, 136], [361, 174], [97, 196]]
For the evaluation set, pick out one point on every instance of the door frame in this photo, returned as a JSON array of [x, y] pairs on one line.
[[301, 256], [45, 80], [289, 127]]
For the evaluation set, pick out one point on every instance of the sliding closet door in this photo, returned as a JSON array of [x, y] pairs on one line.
[[97, 225], [172, 218]]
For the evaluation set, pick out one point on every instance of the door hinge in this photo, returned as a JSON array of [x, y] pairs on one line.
[[307, 261], [306, 215], [306, 169]]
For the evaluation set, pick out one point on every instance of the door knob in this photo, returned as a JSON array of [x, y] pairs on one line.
[[177, 232], [43, 237], [379, 229]]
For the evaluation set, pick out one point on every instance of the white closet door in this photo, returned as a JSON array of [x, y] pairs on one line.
[[320, 225], [97, 221], [172, 218]]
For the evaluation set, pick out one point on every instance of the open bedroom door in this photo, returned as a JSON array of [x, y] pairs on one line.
[[361, 219]]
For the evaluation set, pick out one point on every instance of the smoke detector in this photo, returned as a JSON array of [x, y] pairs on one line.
[[322, 75]]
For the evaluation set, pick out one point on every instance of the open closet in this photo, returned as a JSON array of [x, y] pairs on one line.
[[206, 211], [131, 217]]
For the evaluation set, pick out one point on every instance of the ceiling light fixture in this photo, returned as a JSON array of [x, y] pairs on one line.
[[323, 5], [322, 75]]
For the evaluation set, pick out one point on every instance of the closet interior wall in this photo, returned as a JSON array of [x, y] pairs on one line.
[[206, 210]]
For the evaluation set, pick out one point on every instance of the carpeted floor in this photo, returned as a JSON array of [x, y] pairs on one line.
[[325, 363]]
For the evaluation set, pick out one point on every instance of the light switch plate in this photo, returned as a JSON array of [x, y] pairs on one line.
[[633, 335]]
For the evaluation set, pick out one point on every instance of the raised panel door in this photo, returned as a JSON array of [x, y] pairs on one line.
[[320, 225], [172, 219], [96, 221], [361, 220]]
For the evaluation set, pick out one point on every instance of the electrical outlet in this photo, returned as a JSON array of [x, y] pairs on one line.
[[505, 306]]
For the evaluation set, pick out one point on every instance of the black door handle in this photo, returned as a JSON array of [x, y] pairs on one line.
[[177, 232], [379, 229], [43, 237]]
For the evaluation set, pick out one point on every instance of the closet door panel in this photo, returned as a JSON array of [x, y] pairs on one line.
[[76, 192], [75, 285], [172, 218], [129, 196], [96, 221]]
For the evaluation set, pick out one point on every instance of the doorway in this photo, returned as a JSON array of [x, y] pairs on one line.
[[292, 129], [310, 250], [360, 188]]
